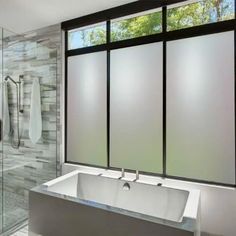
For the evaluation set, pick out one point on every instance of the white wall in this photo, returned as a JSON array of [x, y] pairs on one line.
[[218, 205]]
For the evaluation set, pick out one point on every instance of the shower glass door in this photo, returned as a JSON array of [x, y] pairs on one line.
[[1, 116], [29, 81]]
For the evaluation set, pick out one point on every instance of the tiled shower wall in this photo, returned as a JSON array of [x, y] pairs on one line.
[[35, 54], [51, 37]]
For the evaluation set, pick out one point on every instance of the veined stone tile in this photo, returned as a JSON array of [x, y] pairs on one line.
[[31, 165]]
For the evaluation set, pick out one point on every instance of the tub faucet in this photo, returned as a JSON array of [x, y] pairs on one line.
[[122, 173], [137, 176]]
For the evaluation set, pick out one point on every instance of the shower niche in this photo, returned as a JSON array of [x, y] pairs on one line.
[[28, 147]]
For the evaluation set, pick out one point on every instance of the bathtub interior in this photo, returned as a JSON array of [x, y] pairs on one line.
[[65, 185], [151, 200]]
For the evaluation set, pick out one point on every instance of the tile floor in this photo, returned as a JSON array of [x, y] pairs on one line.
[[21, 232]]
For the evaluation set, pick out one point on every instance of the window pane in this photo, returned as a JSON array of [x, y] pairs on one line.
[[136, 26], [86, 119], [88, 36], [199, 13], [136, 108], [200, 108]]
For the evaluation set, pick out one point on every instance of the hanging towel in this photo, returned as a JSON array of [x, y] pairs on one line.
[[6, 115], [35, 123]]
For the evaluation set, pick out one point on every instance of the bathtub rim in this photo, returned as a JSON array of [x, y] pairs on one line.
[[189, 218]]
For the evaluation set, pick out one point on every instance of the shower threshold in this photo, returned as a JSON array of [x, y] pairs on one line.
[[21, 229]]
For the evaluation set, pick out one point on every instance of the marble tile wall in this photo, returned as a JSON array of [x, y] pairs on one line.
[[35, 54]]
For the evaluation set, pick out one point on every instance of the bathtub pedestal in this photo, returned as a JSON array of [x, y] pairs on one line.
[[49, 216]]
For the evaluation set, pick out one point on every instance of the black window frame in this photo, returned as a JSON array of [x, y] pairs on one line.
[[164, 36]]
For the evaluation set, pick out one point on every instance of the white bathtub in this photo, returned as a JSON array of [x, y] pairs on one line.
[[86, 204]]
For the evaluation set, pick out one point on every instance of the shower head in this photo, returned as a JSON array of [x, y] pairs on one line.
[[9, 78]]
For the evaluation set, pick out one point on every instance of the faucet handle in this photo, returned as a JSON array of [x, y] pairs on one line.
[[137, 176], [122, 173]]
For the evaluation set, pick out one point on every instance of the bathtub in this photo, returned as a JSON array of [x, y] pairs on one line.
[[102, 204]]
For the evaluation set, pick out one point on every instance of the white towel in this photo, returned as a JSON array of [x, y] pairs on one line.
[[6, 115], [35, 124]]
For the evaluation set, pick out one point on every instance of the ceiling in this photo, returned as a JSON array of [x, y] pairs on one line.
[[22, 16]]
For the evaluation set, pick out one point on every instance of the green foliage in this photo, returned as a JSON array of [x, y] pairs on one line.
[[97, 37], [186, 16], [194, 14], [136, 27], [199, 13]]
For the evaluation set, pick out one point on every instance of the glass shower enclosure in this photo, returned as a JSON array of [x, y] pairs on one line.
[[28, 116]]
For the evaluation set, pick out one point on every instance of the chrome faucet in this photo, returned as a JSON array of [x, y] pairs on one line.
[[122, 173], [137, 176]]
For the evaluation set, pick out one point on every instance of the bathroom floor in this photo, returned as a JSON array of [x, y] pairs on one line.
[[21, 232]]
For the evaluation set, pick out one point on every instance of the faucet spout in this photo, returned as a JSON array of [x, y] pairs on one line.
[[122, 173], [137, 176]]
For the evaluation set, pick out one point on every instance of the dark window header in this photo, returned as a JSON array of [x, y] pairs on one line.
[[116, 12]]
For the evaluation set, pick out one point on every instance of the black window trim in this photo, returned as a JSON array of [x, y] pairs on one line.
[[164, 36]]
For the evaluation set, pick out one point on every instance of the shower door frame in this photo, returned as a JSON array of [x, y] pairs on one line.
[[21, 221]]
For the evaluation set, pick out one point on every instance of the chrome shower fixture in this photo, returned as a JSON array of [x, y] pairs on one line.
[[19, 109], [17, 84]]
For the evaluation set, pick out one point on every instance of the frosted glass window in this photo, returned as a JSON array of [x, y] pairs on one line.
[[136, 108], [86, 112], [200, 108]]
